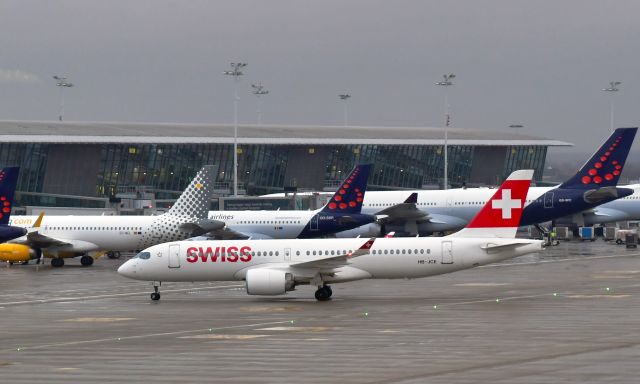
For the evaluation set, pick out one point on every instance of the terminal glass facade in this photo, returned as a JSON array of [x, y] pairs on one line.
[[102, 170]]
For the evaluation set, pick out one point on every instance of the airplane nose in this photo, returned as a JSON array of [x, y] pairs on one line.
[[128, 269]]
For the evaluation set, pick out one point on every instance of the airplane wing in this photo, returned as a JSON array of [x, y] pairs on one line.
[[35, 239], [407, 210], [332, 262]]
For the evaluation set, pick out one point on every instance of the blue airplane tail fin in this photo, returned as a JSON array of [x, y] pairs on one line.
[[349, 196], [8, 181], [605, 166]]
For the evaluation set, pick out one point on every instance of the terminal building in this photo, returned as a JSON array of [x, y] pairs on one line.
[[61, 161]]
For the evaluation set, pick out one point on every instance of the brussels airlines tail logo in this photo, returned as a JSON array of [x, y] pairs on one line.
[[219, 254]]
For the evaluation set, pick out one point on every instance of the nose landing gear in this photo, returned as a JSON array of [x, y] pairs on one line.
[[155, 296]]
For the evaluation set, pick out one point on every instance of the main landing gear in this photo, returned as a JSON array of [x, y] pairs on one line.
[[155, 296], [324, 293], [86, 260], [57, 262]]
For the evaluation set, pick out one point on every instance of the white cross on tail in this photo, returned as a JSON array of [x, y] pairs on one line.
[[506, 204]]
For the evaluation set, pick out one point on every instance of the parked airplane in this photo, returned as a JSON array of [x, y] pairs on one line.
[[440, 211], [59, 237], [8, 181], [342, 212], [273, 267]]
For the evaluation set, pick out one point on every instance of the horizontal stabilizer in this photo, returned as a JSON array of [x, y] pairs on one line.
[[501, 247], [202, 226]]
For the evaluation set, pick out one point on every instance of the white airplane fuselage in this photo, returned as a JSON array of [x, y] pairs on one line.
[[389, 258], [101, 233], [272, 224]]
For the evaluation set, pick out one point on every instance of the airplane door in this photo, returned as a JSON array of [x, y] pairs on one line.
[[174, 256], [287, 254], [447, 253], [313, 225], [548, 200]]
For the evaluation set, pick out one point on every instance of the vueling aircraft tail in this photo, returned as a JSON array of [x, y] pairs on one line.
[[194, 201]]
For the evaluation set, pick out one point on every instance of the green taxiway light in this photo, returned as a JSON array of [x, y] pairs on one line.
[[292, 321], [497, 300], [366, 314], [555, 294], [18, 349], [607, 289], [435, 307], [210, 329]]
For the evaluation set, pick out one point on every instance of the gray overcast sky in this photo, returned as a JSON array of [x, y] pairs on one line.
[[537, 63]]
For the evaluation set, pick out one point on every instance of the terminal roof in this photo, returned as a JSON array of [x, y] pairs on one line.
[[178, 133]]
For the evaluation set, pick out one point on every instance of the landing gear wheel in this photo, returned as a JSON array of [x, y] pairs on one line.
[[113, 255], [328, 289], [323, 294], [155, 296], [86, 261], [57, 262]]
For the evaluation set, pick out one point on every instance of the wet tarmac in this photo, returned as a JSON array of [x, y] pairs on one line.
[[570, 314]]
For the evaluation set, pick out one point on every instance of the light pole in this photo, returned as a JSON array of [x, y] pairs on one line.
[[447, 120], [236, 73], [612, 89], [62, 82], [344, 97], [258, 90]]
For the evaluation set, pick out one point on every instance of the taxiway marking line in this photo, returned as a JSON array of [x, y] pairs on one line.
[[79, 342], [95, 297]]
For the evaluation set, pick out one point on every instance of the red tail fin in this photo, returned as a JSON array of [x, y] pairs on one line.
[[500, 216]]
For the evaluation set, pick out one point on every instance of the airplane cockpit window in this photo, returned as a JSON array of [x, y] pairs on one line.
[[143, 256]]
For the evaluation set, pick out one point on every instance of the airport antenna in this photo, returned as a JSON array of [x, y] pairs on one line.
[[612, 89], [62, 82], [236, 73], [259, 90], [344, 97], [447, 120]]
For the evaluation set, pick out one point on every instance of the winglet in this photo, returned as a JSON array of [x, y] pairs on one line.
[[605, 166], [500, 216], [38, 220], [363, 250], [389, 235], [412, 199]]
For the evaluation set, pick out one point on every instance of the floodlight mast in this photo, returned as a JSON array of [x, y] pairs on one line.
[[447, 120], [612, 90], [62, 83], [344, 97], [236, 73], [259, 90]]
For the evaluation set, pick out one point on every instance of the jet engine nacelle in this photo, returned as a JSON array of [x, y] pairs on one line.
[[264, 281], [16, 253]]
